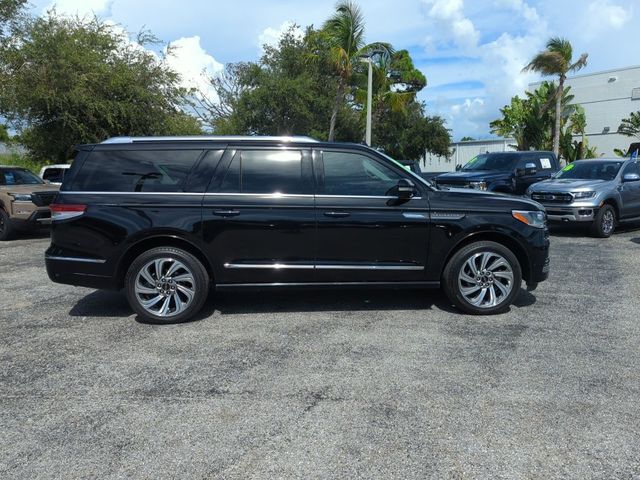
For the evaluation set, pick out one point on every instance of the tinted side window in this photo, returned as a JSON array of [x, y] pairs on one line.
[[631, 168], [53, 174], [136, 171], [529, 159], [357, 174], [266, 171], [545, 162]]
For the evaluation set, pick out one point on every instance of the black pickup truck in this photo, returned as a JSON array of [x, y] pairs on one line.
[[506, 172]]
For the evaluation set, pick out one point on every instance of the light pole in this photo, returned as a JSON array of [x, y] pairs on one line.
[[369, 98]]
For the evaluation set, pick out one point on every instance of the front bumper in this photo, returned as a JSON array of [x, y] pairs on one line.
[[574, 213], [26, 215]]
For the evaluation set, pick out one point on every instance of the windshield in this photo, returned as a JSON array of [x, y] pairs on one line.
[[490, 162], [18, 176], [408, 169], [590, 170]]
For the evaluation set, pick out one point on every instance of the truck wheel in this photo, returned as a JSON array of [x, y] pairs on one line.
[[605, 222], [6, 228], [166, 285], [482, 278]]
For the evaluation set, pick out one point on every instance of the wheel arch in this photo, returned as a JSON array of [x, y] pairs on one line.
[[160, 240], [614, 203], [498, 237]]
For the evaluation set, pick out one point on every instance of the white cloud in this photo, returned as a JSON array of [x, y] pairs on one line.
[[195, 66], [448, 19], [271, 36], [81, 7], [602, 16]]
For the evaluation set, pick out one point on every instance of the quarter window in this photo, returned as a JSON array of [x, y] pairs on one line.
[[356, 174], [136, 171], [266, 171]]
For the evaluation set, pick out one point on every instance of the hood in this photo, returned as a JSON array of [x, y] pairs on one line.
[[567, 185], [471, 176], [476, 200], [43, 187]]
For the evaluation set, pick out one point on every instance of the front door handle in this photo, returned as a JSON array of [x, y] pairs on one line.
[[226, 213], [336, 214]]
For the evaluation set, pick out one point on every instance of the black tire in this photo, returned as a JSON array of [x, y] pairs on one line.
[[199, 286], [605, 222], [452, 286], [7, 230]]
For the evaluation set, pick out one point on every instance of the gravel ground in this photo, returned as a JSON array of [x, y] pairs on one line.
[[330, 384]]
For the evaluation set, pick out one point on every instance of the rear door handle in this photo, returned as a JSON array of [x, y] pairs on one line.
[[336, 214], [226, 213]]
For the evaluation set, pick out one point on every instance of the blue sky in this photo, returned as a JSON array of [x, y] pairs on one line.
[[472, 51]]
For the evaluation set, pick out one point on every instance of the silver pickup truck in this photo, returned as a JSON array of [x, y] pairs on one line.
[[602, 192]]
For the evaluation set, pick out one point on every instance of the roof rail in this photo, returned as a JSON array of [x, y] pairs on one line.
[[210, 138]]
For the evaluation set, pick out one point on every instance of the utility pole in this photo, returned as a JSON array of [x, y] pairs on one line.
[[369, 98]]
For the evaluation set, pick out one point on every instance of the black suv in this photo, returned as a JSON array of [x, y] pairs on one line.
[[168, 218], [505, 172]]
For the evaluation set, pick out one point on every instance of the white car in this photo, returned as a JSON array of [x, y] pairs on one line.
[[54, 174]]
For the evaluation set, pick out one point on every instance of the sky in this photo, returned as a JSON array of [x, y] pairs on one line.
[[472, 52]]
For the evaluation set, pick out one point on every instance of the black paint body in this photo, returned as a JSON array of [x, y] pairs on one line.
[[307, 239]]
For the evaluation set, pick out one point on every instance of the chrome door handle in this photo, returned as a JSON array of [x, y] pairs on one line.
[[336, 214], [226, 213]]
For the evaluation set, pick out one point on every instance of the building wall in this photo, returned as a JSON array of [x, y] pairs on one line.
[[462, 152], [606, 98]]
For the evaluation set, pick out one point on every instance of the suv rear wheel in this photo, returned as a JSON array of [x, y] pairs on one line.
[[6, 229], [166, 285], [605, 222], [482, 278]]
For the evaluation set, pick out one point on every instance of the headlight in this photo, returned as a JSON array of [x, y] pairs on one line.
[[478, 185], [532, 218], [21, 197], [578, 195]]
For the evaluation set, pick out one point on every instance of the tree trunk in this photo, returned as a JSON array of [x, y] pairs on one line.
[[556, 130], [334, 112]]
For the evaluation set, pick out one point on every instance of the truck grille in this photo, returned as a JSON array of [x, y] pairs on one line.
[[550, 197], [449, 184], [43, 199]]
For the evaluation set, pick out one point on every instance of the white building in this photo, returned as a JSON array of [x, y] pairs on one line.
[[607, 97]]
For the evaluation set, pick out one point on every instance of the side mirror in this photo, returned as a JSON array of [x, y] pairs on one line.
[[405, 188], [458, 168], [630, 177]]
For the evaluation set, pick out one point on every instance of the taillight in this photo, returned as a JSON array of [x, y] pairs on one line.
[[61, 211]]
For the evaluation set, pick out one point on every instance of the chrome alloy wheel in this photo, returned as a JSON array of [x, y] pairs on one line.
[[165, 287], [485, 280], [608, 221]]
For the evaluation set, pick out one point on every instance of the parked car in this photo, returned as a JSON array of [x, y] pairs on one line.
[[167, 218], [506, 172], [24, 201], [54, 174], [598, 192]]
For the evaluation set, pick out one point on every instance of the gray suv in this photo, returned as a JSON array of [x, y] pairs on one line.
[[601, 192]]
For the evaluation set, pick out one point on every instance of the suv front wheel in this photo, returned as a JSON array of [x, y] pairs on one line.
[[166, 285], [605, 222], [482, 278]]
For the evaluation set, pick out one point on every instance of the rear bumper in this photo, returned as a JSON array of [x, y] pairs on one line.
[[78, 271]]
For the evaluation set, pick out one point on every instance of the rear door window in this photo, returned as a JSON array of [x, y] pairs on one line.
[[267, 171], [136, 171]]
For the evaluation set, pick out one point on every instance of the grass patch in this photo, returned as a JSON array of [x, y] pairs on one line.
[[21, 160]]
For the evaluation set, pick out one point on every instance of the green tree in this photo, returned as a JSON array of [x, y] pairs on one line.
[[344, 31], [530, 121], [467, 139], [557, 59], [69, 80], [4, 134], [630, 126], [571, 149], [408, 133]]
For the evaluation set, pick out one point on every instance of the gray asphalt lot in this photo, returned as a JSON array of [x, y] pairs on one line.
[[326, 384]]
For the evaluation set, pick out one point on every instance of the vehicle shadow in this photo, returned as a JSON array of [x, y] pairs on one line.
[[583, 231], [101, 303]]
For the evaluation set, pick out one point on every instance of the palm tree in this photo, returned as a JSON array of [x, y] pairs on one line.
[[557, 60], [345, 34]]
